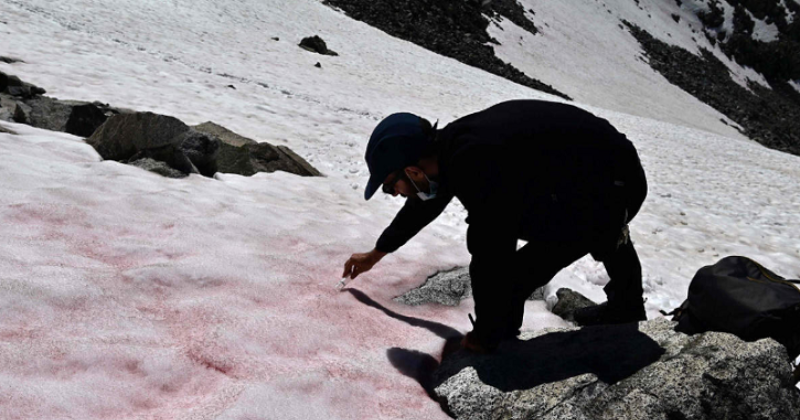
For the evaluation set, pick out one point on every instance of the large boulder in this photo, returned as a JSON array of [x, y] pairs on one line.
[[85, 118], [22, 102], [201, 149], [143, 135], [233, 157], [47, 113], [644, 371], [74, 117], [123, 136], [244, 156]]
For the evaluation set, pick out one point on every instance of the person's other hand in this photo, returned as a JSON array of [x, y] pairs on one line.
[[361, 263]]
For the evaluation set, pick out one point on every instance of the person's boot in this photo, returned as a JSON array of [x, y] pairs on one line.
[[603, 314]]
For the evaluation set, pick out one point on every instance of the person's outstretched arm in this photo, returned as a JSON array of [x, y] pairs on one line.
[[414, 216]]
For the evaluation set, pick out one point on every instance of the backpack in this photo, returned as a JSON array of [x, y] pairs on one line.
[[738, 295]]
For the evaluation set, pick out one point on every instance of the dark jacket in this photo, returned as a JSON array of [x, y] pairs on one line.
[[531, 170]]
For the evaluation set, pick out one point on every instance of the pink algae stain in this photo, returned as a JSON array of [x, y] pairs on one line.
[[42, 214]]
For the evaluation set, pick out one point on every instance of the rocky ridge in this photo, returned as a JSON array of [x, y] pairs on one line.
[[629, 371], [644, 371], [453, 28], [157, 143], [767, 116]]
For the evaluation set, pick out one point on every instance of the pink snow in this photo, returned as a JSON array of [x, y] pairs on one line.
[[129, 295]]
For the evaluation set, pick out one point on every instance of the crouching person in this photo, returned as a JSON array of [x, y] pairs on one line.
[[552, 174]]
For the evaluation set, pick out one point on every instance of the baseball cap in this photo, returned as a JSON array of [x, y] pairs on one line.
[[397, 141]]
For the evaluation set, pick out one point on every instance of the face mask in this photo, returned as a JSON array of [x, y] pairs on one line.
[[434, 186]]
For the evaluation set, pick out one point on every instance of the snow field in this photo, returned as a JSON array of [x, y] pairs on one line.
[[587, 53], [129, 295]]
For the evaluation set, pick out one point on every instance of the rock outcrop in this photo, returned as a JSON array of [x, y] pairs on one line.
[[157, 143], [12, 85], [123, 136], [447, 288], [768, 116], [206, 149], [244, 156], [644, 371], [23, 103]]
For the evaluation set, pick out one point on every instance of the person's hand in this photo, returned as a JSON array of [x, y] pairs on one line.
[[361, 263]]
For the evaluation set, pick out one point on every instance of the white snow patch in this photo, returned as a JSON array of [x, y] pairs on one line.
[[795, 84], [763, 31], [742, 74], [585, 52]]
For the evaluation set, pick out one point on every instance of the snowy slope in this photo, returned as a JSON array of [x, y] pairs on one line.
[[585, 51], [128, 295]]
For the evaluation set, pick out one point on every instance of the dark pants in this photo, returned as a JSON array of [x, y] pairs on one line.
[[500, 302]]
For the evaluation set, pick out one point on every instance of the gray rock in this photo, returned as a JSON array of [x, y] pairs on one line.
[[85, 119], [23, 91], [223, 134], [201, 149], [10, 80], [244, 156], [158, 167], [447, 288], [233, 157], [317, 45], [124, 135], [13, 86], [172, 155], [297, 164], [234, 160], [10, 60], [615, 372], [8, 105], [22, 113], [568, 302], [49, 113], [265, 157], [23, 103]]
